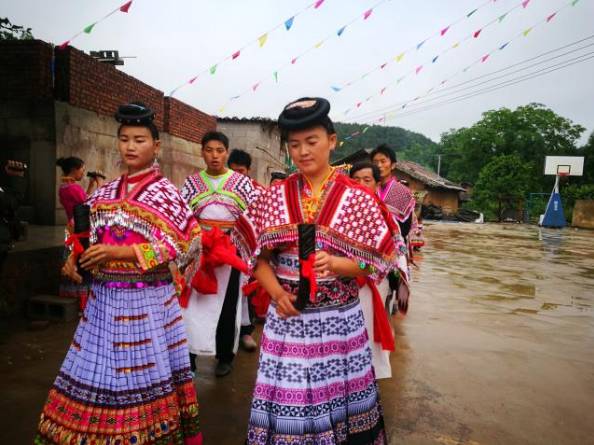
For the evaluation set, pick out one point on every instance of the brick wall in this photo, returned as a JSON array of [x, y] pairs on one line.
[[25, 70], [186, 122]]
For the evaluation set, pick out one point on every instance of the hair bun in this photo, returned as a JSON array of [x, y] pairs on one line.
[[304, 113], [134, 113]]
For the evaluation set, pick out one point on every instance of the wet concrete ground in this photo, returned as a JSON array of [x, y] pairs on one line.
[[498, 348]]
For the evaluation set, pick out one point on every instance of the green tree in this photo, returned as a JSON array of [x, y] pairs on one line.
[[502, 184], [531, 132], [8, 31]]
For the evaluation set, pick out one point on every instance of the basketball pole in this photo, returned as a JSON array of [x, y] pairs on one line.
[[554, 216]]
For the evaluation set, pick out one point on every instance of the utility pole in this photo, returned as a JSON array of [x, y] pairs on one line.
[[439, 164]]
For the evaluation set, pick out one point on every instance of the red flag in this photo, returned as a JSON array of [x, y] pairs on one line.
[[192, 80], [525, 3], [383, 65], [64, 45], [255, 86], [318, 4], [358, 104], [551, 17], [484, 58], [477, 33], [383, 90], [235, 55], [294, 60], [126, 6], [444, 30], [367, 13]]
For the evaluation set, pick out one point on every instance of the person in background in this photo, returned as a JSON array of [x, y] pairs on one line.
[[240, 161], [126, 378], [277, 178], [373, 297], [12, 192], [212, 307], [315, 381], [72, 194]]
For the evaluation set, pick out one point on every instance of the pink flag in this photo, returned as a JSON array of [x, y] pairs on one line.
[[235, 55], [293, 61], [419, 68], [358, 104], [525, 3], [484, 58], [318, 4], [383, 90], [444, 30], [551, 17], [64, 45], [192, 80], [477, 33], [383, 65], [367, 13], [126, 6], [255, 87]]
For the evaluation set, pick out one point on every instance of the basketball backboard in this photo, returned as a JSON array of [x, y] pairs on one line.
[[564, 165]]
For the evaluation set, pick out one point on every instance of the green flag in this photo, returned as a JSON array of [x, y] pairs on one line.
[[89, 28], [275, 74], [213, 69]]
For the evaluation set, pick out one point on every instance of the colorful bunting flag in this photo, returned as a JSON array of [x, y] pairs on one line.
[[64, 45], [526, 32], [275, 75], [525, 3], [293, 61], [213, 69], [399, 57], [192, 80], [420, 44], [418, 70], [89, 28], [235, 55], [444, 30], [222, 110], [503, 46], [262, 39], [318, 4], [367, 13], [435, 59], [477, 33], [484, 58], [359, 104], [471, 12], [337, 89], [502, 17], [319, 44], [365, 130], [126, 7], [340, 31], [383, 90], [574, 2], [255, 86], [289, 23], [456, 45], [551, 17], [341, 143], [383, 65]]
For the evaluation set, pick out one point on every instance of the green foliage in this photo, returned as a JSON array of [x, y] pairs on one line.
[[408, 145], [571, 193], [501, 183], [531, 132], [8, 31]]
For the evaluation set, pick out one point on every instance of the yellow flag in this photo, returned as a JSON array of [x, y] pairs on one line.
[[222, 110], [262, 39], [527, 32], [341, 143], [456, 45], [399, 57], [319, 44]]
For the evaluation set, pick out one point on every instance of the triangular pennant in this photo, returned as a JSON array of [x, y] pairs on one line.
[[477, 33], [525, 3], [255, 86], [262, 39], [435, 59], [383, 90], [403, 106], [456, 45], [235, 55], [501, 17], [275, 75], [365, 130], [471, 12], [289, 23], [341, 143], [236, 97], [337, 89], [418, 70], [484, 58], [444, 30], [319, 44], [213, 69], [347, 111], [400, 80], [293, 61], [359, 104], [89, 28], [420, 44], [574, 2], [318, 4], [192, 80], [367, 13], [503, 46], [526, 32], [443, 82], [551, 17], [383, 65], [399, 57], [466, 69], [126, 6], [381, 119], [340, 31], [64, 45], [221, 110]]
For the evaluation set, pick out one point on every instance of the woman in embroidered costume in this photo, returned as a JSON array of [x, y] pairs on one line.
[[126, 378], [212, 313], [72, 194], [315, 380]]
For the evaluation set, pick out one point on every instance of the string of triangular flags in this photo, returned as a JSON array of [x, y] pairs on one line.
[[364, 16], [287, 25], [481, 60], [441, 33], [472, 36], [89, 28]]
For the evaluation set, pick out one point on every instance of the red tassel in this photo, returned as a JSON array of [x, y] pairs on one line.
[[307, 271], [382, 332]]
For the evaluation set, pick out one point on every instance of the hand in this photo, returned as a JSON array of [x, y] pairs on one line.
[[324, 264], [284, 304], [100, 253], [70, 271]]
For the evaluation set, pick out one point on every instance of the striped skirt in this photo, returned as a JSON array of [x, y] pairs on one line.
[[315, 381], [126, 378]]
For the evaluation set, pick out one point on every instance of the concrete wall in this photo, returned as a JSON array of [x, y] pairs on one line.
[[260, 139], [583, 214]]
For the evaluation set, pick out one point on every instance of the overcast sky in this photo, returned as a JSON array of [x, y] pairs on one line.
[[175, 40]]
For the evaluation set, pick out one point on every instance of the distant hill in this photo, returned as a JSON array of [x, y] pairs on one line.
[[408, 145]]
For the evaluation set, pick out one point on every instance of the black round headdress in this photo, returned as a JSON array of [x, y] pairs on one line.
[[134, 113], [304, 113]]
